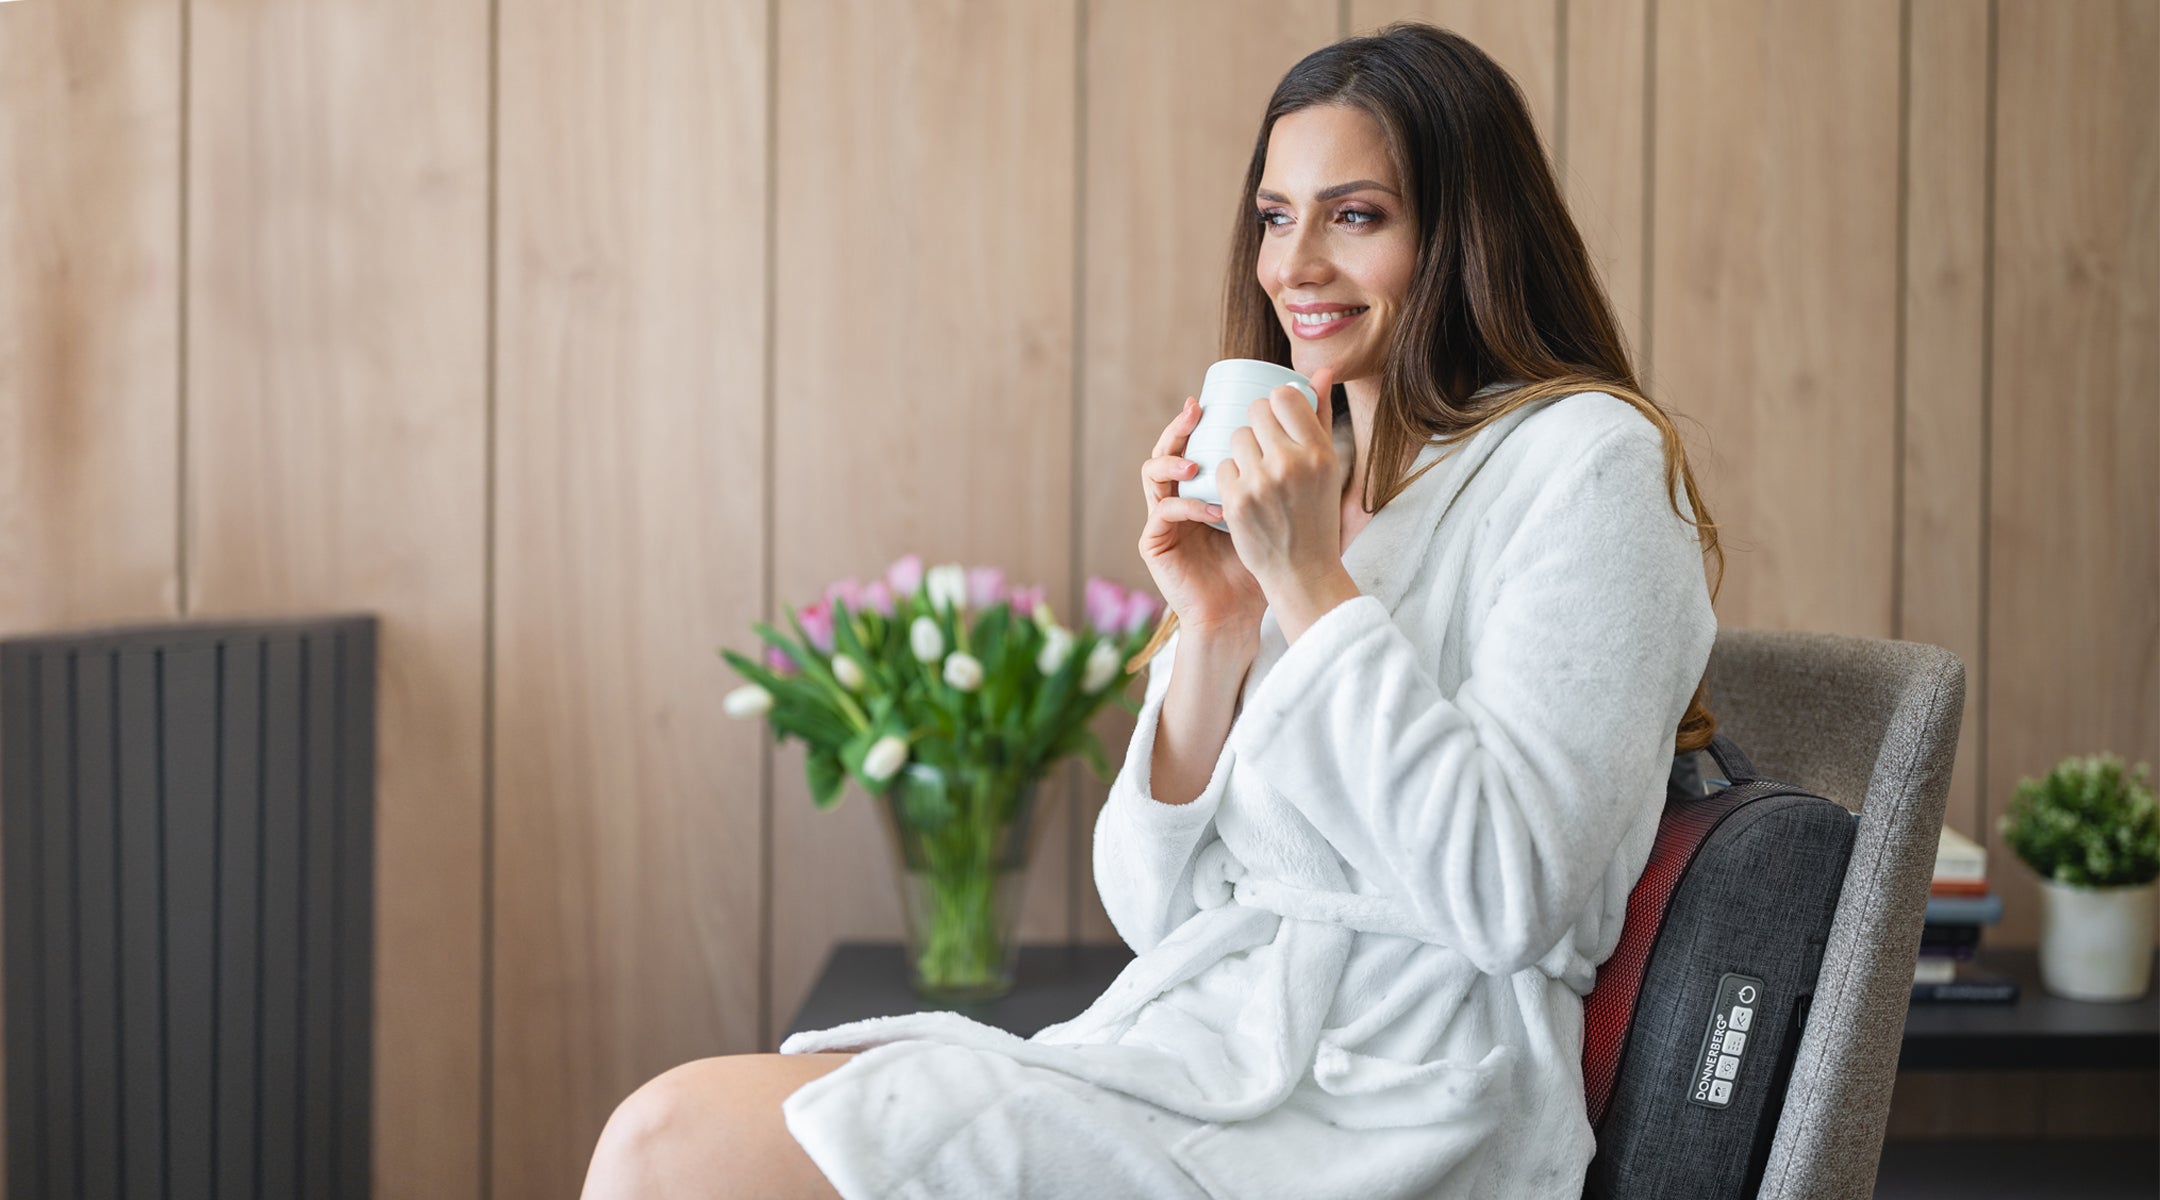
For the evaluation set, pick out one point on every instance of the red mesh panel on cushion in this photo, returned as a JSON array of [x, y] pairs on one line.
[[1610, 1007]]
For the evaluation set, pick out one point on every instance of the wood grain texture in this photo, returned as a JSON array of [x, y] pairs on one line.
[[1603, 124], [923, 346], [2027, 1104], [1945, 359], [2073, 580], [1521, 35], [1161, 196], [630, 526], [337, 309], [89, 324], [1774, 257], [89, 327]]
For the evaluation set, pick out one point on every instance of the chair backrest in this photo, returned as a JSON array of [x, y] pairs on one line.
[[1873, 724]]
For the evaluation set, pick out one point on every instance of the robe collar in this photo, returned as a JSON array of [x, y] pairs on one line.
[[1386, 554]]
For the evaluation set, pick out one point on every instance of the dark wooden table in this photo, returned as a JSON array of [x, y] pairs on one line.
[[2037, 1032]]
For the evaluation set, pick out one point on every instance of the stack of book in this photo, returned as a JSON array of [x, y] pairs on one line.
[[1959, 903]]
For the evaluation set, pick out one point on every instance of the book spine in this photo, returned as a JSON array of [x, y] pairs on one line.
[[1967, 991], [1964, 910]]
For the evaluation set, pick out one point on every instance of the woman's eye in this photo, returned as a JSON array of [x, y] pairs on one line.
[[1267, 216]]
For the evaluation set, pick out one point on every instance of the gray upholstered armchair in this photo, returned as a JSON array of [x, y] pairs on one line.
[[1872, 724]]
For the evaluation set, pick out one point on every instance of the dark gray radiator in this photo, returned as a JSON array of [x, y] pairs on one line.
[[186, 857]]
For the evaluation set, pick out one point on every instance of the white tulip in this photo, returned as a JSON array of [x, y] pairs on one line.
[[848, 672], [1102, 667], [885, 757], [1044, 618], [747, 701], [925, 639], [947, 585], [1057, 647], [964, 671]]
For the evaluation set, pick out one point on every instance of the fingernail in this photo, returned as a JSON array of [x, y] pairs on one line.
[[1214, 510]]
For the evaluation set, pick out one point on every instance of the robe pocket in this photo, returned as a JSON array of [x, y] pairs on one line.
[[1365, 1091]]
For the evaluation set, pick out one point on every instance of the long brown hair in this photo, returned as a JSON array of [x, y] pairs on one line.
[[1503, 290]]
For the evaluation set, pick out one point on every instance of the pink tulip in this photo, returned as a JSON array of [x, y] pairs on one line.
[[778, 661], [1141, 610], [817, 622], [905, 575], [1105, 605], [1024, 599], [878, 595], [985, 587], [849, 590]]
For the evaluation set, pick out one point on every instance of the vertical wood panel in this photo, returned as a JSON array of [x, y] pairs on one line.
[[631, 517], [1523, 36], [1774, 259], [1160, 198], [923, 369], [89, 326], [336, 458], [1601, 152], [1945, 359], [2073, 599]]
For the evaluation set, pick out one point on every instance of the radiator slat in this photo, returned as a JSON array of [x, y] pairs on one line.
[[142, 947], [97, 674], [56, 760], [189, 701], [239, 1003], [19, 858], [278, 1046], [318, 949]]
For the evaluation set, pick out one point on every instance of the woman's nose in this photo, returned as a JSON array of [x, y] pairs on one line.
[[1304, 261]]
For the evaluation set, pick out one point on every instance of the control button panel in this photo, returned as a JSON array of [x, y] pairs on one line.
[[1725, 1040]]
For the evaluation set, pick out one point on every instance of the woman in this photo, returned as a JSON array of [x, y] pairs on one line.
[[1392, 784]]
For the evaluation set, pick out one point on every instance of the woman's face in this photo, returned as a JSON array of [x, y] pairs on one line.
[[1336, 235]]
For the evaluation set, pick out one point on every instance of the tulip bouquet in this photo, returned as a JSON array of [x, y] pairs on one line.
[[948, 695]]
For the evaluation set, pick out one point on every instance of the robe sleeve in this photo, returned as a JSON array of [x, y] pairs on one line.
[[1494, 813], [1144, 849]]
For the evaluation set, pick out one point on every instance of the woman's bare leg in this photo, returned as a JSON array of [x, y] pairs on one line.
[[711, 1129]]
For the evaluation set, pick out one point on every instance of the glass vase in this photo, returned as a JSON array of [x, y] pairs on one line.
[[962, 837]]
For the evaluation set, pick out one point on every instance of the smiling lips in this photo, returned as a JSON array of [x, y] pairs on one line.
[[1322, 324]]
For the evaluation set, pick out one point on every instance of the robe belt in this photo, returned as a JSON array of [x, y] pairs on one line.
[[1219, 879]]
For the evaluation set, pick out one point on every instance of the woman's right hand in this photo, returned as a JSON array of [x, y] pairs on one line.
[[1195, 565]]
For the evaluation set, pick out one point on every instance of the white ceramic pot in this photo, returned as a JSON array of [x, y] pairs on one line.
[[2097, 943]]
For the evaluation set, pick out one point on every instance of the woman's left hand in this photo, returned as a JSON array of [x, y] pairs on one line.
[[1280, 492]]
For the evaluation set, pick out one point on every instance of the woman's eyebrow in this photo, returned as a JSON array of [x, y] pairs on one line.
[[1329, 193]]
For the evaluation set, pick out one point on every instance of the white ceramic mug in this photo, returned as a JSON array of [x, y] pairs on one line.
[[1226, 399]]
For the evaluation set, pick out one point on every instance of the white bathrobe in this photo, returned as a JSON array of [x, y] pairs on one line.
[[1362, 950]]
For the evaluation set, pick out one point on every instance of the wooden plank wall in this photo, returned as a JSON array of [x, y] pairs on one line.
[[572, 337]]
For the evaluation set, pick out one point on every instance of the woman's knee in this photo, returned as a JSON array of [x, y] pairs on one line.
[[714, 1119]]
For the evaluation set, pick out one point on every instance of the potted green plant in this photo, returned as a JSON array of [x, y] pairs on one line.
[[947, 695], [2091, 831]]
